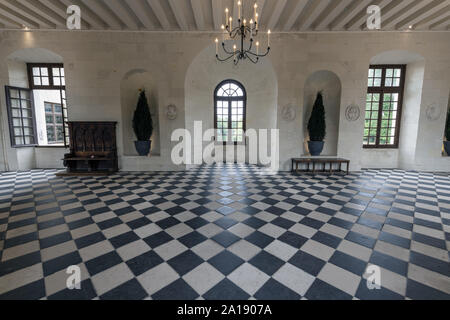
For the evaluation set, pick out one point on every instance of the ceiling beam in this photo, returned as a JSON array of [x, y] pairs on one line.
[[54, 5], [122, 13], [101, 11], [235, 13], [179, 14], [261, 4], [44, 11], [7, 22], [277, 11], [140, 10], [391, 9], [159, 13], [30, 14], [313, 13], [11, 14], [294, 15], [358, 22], [389, 24], [87, 16], [349, 13], [428, 10], [335, 8], [439, 16], [218, 14], [198, 14], [436, 25]]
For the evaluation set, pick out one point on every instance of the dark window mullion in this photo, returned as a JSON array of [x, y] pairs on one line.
[[230, 136], [21, 117], [62, 114]]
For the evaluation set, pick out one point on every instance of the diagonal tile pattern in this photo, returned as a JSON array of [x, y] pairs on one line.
[[225, 232]]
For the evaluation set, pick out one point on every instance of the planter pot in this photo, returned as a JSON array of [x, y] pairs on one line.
[[315, 147], [143, 147], [447, 147]]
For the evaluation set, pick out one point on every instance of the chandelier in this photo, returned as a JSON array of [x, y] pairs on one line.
[[244, 37]]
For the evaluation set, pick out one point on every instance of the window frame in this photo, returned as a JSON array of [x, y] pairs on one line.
[[52, 86], [10, 117], [229, 100], [54, 124], [383, 89], [50, 67]]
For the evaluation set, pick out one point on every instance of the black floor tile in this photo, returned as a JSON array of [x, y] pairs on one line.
[[273, 290], [131, 290], [226, 262], [226, 290]]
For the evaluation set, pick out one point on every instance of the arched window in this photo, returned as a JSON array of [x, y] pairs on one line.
[[230, 101]]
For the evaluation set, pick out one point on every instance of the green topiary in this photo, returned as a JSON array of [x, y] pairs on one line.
[[316, 125], [447, 127], [142, 120]]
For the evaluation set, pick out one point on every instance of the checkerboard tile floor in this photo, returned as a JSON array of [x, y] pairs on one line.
[[225, 232]]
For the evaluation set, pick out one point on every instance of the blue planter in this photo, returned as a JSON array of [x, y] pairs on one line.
[[447, 147], [315, 147], [143, 147]]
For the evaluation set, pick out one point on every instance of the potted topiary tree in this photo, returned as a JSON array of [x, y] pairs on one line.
[[447, 135], [143, 125], [317, 127]]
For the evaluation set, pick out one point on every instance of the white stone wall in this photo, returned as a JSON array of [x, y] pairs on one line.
[[96, 62]]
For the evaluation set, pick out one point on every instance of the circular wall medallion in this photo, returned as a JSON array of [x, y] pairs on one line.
[[433, 112], [172, 112], [289, 113], [352, 113]]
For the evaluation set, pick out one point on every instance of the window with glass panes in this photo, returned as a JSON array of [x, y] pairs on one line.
[[54, 122], [51, 76], [230, 111], [46, 75], [384, 106], [21, 116]]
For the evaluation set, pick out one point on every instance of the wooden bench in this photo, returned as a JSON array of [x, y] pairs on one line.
[[317, 162], [93, 149]]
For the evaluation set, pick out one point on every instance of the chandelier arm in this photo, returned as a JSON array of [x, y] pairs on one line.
[[251, 59], [233, 32], [251, 46], [226, 51], [260, 55], [224, 60]]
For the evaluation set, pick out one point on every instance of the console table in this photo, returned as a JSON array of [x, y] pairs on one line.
[[320, 162]]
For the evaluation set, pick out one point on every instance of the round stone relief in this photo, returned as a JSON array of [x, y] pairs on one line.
[[352, 113], [433, 112], [172, 112], [289, 113]]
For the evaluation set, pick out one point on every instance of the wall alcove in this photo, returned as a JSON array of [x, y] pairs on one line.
[[330, 85], [129, 92]]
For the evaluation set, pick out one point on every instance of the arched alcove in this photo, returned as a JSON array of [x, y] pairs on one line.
[[447, 114], [405, 155], [205, 73], [330, 85], [25, 158], [132, 82], [17, 63]]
